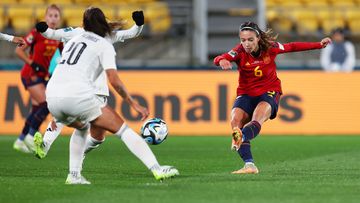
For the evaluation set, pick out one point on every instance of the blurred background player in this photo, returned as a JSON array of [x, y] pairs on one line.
[[72, 100], [340, 55], [259, 88], [97, 136], [17, 40], [34, 76]]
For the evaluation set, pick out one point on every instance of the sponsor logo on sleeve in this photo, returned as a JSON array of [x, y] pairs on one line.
[[232, 53], [281, 46], [68, 29]]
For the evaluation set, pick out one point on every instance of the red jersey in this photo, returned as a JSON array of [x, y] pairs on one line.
[[41, 52], [257, 75]]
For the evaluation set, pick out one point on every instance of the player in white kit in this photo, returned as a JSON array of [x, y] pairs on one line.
[[72, 99], [97, 135]]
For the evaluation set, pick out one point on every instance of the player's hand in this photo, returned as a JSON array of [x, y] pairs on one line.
[[37, 67], [19, 41], [138, 17], [324, 42], [41, 27], [225, 64], [141, 110]]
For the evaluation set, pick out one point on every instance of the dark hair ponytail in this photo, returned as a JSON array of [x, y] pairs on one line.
[[95, 21], [266, 38]]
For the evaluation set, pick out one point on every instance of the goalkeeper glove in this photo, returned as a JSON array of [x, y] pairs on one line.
[[138, 17], [41, 26]]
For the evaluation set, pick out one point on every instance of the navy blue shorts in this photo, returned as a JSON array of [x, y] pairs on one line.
[[34, 80], [248, 103]]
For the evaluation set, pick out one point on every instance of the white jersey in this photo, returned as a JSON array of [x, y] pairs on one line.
[[6, 37], [66, 34], [85, 58]]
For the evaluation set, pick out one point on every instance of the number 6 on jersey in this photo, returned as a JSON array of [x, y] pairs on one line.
[[257, 72]]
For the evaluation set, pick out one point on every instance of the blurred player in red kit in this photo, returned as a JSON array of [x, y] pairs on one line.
[[259, 88], [34, 76]]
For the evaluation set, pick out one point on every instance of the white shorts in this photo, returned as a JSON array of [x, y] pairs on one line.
[[70, 109]]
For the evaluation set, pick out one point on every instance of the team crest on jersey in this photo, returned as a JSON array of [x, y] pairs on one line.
[[232, 53], [266, 59]]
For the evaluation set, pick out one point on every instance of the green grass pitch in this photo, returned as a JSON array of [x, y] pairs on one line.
[[292, 169]]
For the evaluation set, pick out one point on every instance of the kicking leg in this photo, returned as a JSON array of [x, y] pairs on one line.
[[261, 113], [238, 119]]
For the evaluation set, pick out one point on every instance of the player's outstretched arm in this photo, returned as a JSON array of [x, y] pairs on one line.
[[225, 64], [224, 60], [324, 42], [17, 40], [6, 37], [134, 31], [63, 35], [120, 88], [302, 46]]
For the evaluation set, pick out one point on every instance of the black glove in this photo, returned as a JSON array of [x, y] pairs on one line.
[[138, 17], [37, 67], [41, 26]]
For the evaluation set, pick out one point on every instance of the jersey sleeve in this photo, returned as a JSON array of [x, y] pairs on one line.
[[30, 38], [295, 46], [122, 35], [63, 35], [107, 57], [232, 55], [6, 37]]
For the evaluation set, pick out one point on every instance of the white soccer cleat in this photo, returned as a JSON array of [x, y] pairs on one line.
[[165, 172], [29, 141], [76, 180], [20, 146]]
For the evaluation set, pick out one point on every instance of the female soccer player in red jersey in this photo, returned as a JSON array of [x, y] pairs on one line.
[[34, 76], [259, 88]]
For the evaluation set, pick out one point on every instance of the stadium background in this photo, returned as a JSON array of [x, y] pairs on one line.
[[169, 67]]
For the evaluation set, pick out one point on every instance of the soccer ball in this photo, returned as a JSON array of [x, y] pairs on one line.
[[154, 131]]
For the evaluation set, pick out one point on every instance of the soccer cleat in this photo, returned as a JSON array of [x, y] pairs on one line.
[[236, 139], [39, 148], [76, 180], [165, 172], [29, 141], [249, 168], [20, 146]]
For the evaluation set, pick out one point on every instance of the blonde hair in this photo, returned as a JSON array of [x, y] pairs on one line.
[[55, 7]]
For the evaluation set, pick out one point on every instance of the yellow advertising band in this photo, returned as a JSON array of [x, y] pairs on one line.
[[200, 102]]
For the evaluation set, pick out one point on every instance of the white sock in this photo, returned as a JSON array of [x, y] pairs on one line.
[[137, 146], [51, 135], [77, 146], [92, 143]]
